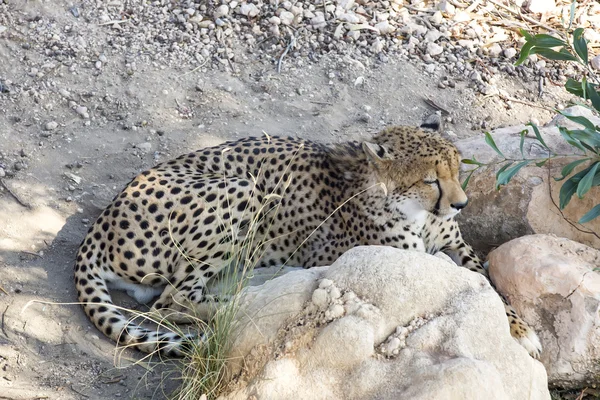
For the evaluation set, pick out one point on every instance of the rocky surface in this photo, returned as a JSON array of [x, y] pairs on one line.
[[554, 284], [529, 203], [381, 323]]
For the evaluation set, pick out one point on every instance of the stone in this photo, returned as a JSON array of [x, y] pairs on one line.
[[510, 52], [553, 283], [528, 204], [50, 126], [249, 10], [286, 17], [541, 6], [434, 49], [221, 11], [410, 325], [384, 27], [432, 35], [146, 146], [495, 50], [446, 7], [595, 62]]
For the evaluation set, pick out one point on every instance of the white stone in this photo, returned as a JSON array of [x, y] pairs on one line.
[[552, 282], [495, 50], [384, 27], [274, 20], [595, 62], [50, 126], [446, 7], [434, 49], [345, 4], [146, 146], [286, 17], [377, 46], [510, 52], [432, 35], [541, 6], [249, 10], [463, 350], [221, 11]]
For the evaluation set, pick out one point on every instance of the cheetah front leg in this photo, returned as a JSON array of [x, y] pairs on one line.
[[450, 242]]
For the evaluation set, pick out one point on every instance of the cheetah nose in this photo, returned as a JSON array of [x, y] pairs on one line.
[[460, 206]]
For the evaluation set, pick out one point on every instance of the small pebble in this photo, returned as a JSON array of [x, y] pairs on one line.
[[50, 126]]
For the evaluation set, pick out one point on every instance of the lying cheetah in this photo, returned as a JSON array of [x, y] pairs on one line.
[[173, 227]]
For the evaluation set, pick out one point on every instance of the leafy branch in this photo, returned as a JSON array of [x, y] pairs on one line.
[[584, 141]]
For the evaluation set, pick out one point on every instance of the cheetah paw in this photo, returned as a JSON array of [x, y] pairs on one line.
[[530, 341]]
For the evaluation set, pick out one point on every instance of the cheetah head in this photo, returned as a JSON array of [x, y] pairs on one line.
[[419, 170]]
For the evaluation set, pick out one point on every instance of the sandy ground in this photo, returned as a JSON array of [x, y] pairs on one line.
[[64, 179]]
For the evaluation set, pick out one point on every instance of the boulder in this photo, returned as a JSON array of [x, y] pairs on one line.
[[553, 284], [379, 323], [529, 203]]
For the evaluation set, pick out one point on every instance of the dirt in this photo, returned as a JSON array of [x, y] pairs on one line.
[[58, 181]]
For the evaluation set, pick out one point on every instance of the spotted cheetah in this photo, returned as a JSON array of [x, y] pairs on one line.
[[173, 227]]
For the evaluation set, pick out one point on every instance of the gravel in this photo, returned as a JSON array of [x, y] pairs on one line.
[[220, 34]]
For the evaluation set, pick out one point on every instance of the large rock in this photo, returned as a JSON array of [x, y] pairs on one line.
[[380, 323], [553, 284], [529, 204]]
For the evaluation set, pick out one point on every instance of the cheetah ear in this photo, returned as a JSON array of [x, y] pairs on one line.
[[375, 152]]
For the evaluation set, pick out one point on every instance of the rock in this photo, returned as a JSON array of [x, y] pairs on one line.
[[434, 49], [221, 11], [524, 206], [2, 172], [377, 46], [384, 27], [82, 111], [345, 4], [510, 52], [408, 325], [249, 10], [446, 7], [432, 35], [553, 284], [595, 62], [541, 6], [50, 126], [286, 17], [146, 146], [495, 50]]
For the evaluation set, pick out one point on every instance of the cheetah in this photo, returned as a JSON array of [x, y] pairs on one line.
[[173, 227]]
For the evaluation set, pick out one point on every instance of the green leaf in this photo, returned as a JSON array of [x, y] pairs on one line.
[[466, 182], [526, 35], [553, 55], [590, 215], [572, 15], [538, 136], [589, 140], [547, 41], [567, 169], [541, 163], [567, 136], [585, 183], [490, 141], [580, 45], [589, 125], [525, 50], [574, 87], [471, 161], [508, 164], [593, 95], [568, 189], [523, 133], [505, 176]]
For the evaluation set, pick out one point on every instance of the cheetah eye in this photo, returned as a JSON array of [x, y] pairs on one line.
[[430, 181]]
